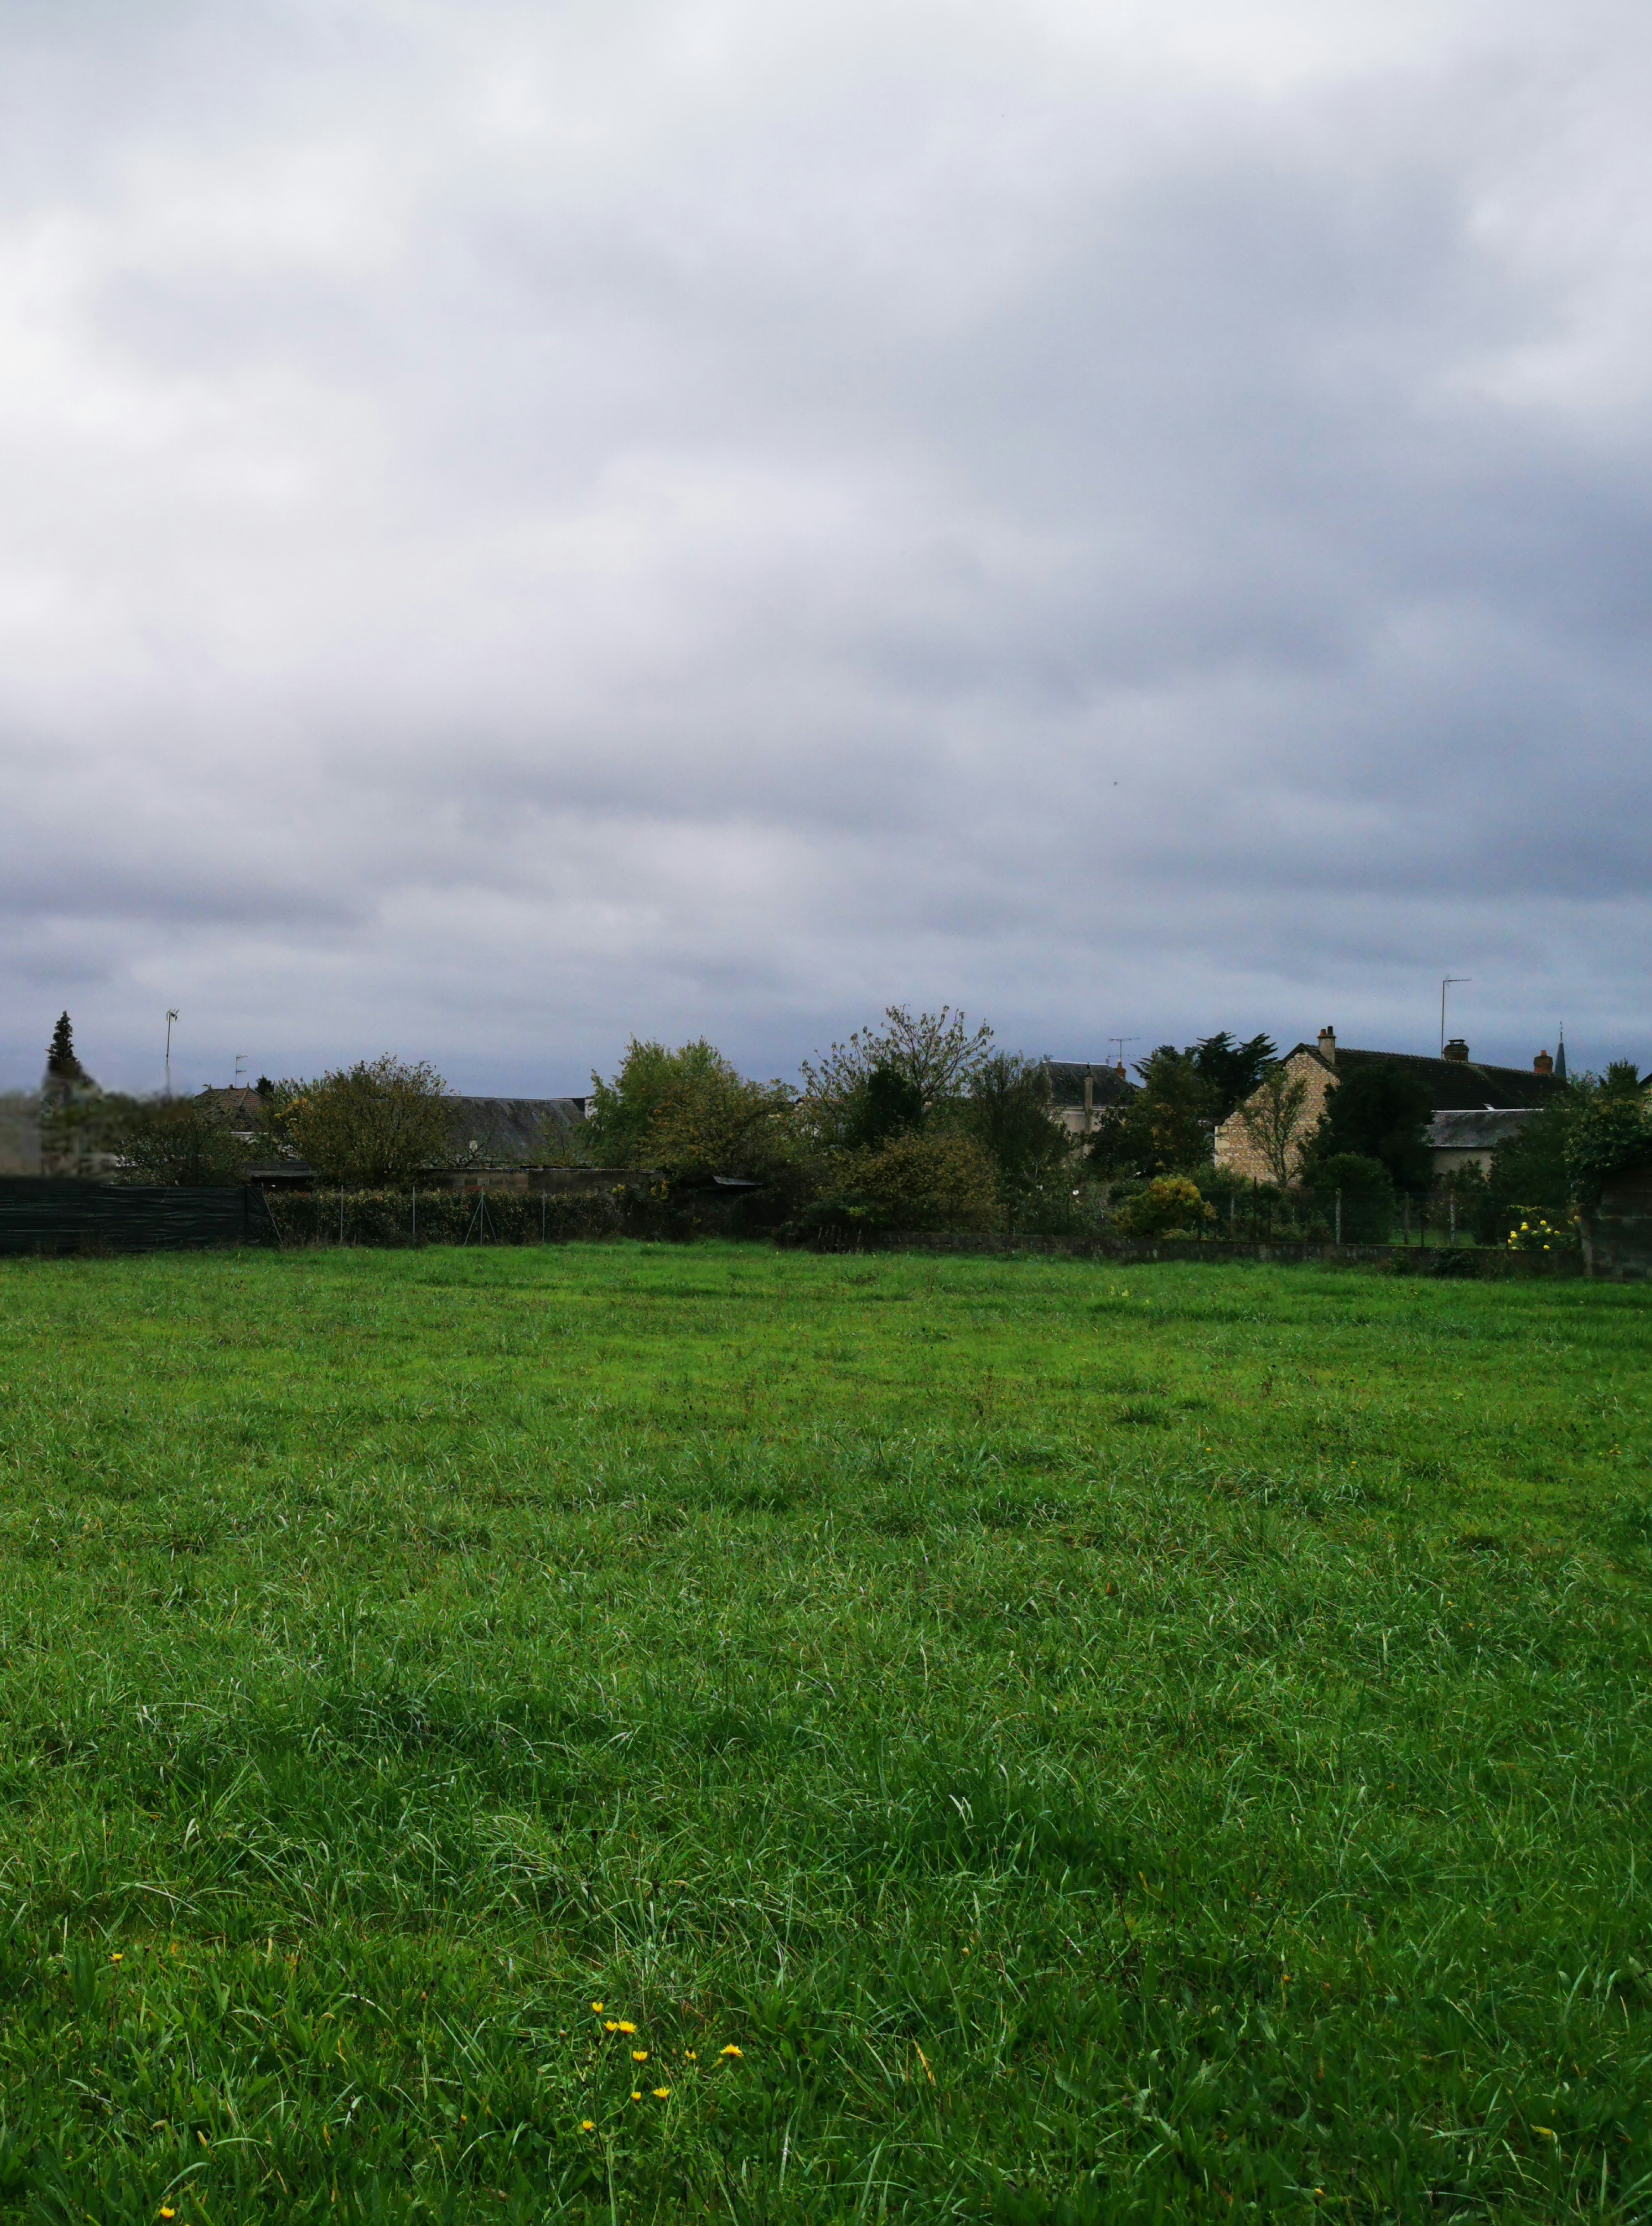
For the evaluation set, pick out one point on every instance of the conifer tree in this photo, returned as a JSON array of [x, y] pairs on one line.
[[60, 1060]]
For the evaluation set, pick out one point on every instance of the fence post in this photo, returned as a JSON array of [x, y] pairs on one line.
[[416, 1213], [340, 1212], [1453, 1220], [1339, 1218]]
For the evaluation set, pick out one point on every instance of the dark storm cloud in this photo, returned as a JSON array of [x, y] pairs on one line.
[[523, 526]]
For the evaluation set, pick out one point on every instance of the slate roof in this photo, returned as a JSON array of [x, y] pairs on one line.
[[1453, 1084], [1067, 1081], [1471, 1131], [511, 1128]]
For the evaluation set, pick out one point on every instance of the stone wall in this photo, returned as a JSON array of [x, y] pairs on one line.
[[1617, 1229], [1234, 1149]]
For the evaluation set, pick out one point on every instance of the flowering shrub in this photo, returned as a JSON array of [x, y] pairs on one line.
[[1539, 1235], [1170, 1206]]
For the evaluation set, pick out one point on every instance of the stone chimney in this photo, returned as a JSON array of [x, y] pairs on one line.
[[1090, 1094], [1457, 1051], [1542, 1063], [1328, 1045]]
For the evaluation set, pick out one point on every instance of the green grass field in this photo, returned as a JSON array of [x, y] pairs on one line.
[[1100, 1744]]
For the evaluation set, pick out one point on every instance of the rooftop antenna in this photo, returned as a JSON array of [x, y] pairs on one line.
[[172, 1015], [240, 1068], [1450, 981], [1120, 1041]]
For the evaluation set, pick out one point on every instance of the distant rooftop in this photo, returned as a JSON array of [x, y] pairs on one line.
[[1109, 1083], [1451, 1083]]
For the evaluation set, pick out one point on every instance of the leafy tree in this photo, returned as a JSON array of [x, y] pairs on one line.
[[1622, 1079], [1231, 1071], [376, 1123], [181, 1139], [61, 1063], [1275, 1117], [1379, 1112], [886, 1104], [721, 1124], [1610, 1129], [937, 1052], [1165, 1128], [689, 1113], [621, 1112], [1007, 1111]]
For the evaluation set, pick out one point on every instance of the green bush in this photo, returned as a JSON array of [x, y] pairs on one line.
[[1610, 1131], [1171, 1206]]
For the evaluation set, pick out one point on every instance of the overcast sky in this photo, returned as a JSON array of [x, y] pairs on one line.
[[524, 524]]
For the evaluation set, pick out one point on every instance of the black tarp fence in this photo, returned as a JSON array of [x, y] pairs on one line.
[[48, 1214]]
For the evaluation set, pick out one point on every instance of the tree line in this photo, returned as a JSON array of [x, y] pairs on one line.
[[920, 1121]]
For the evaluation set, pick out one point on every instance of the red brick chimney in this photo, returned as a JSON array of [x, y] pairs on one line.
[[1457, 1050], [1542, 1063]]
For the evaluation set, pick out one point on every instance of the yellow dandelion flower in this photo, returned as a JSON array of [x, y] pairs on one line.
[[587, 2125], [731, 2050], [635, 2094], [660, 2093], [167, 2211], [690, 2055], [639, 2055], [599, 2007], [610, 2025], [622, 2026]]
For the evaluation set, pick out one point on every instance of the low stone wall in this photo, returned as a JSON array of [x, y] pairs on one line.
[[1617, 1229]]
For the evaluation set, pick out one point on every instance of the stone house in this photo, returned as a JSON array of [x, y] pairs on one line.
[[1475, 1105], [1081, 1091]]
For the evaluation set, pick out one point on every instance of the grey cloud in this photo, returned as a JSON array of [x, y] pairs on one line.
[[527, 527]]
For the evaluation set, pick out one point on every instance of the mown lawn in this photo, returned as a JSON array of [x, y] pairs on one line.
[[1100, 1744]]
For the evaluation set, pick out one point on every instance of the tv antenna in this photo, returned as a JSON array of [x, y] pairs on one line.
[[172, 1014], [1450, 981], [1120, 1041], [240, 1068]]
